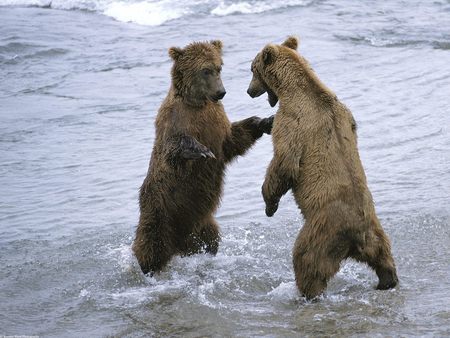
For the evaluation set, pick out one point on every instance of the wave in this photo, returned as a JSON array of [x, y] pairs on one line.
[[157, 12], [90, 5], [146, 13], [16, 52], [254, 7], [392, 40]]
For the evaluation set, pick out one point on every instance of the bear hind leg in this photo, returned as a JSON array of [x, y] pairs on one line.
[[377, 254], [205, 238], [313, 267], [152, 252], [210, 236]]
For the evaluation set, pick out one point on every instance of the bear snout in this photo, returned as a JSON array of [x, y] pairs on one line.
[[251, 93], [255, 92], [220, 94]]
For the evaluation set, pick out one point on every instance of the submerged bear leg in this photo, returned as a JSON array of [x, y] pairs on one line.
[[377, 254], [210, 236], [205, 238], [152, 251], [313, 264]]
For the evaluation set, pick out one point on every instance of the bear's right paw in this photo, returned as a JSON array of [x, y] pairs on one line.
[[265, 125], [271, 209]]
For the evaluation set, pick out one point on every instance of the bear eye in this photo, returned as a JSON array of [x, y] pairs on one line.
[[206, 71]]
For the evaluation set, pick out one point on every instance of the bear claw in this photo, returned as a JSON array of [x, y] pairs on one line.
[[208, 153], [196, 153]]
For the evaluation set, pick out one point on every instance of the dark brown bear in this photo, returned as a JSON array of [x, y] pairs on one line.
[[194, 142], [316, 155]]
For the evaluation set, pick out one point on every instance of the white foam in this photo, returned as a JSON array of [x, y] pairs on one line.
[[157, 12], [84, 293], [40, 3], [241, 7], [145, 12], [246, 7], [285, 292], [92, 5], [150, 13], [132, 296], [125, 257], [203, 292]]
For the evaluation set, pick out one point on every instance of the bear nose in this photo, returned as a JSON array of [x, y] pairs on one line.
[[251, 93], [220, 94]]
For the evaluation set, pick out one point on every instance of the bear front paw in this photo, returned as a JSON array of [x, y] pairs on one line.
[[206, 153], [191, 149], [195, 154], [271, 208], [265, 125]]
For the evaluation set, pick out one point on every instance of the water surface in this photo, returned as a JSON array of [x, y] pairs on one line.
[[80, 85]]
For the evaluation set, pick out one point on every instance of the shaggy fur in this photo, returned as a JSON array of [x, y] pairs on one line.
[[316, 155], [194, 141]]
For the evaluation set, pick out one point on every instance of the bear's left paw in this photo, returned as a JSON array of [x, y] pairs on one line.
[[195, 154], [191, 149]]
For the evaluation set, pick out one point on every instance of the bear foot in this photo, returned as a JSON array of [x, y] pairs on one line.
[[387, 285], [388, 280]]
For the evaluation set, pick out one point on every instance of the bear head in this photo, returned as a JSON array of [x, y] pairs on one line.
[[196, 72], [268, 67]]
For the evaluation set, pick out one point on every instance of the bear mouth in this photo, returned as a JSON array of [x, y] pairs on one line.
[[216, 98], [273, 99], [212, 99]]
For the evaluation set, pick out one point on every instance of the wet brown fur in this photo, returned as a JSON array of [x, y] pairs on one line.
[[194, 141], [316, 155]]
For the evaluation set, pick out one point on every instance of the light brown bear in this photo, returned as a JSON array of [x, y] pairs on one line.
[[316, 155], [194, 142]]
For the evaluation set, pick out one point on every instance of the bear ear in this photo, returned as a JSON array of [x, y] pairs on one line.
[[218, 44], [175, 53], [269, 54], [291, 42]]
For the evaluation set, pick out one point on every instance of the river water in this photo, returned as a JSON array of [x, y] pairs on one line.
[[80, 84]]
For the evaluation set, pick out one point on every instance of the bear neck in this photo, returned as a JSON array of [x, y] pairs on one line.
[[193, 102], [182, 95], [300, 84]]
